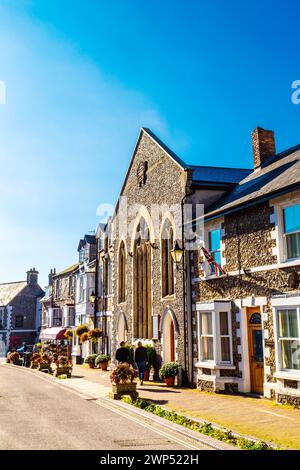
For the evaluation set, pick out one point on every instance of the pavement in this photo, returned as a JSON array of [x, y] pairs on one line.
[[41, 412], [255, 417]]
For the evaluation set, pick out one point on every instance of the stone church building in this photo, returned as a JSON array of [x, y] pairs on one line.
[[151, 297]]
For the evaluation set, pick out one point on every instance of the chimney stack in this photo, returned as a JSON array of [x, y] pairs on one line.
[[263, 144], [32, 277], [50, 276]]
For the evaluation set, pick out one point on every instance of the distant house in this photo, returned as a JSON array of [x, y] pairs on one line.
[[85, 290], [58, 304], [20, 312]]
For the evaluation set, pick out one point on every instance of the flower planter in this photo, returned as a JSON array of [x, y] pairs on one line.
[[169, 381], [63, 370], [34, 365], [147, 374], [44, 367], [103, 365], [91, 365], [118, 390]]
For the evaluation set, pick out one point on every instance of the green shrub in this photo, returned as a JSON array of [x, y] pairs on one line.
[[170, 369], [102, 358], [91, 359]]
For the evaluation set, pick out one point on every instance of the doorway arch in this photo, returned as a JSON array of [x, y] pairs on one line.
[[169, 331], [122, 328]]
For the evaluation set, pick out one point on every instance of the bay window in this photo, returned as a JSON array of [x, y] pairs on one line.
[[207, 338], [214, 332], [288, 339], [291, 217], [224, 337]]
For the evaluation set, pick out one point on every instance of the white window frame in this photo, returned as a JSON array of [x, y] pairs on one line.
[[281, 240], [210, 227], [215, 308], [284, 304]]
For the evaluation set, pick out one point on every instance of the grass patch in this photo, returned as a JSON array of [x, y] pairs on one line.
[[203, 428]]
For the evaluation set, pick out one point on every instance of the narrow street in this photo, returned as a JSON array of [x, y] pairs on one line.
[[37, 414]]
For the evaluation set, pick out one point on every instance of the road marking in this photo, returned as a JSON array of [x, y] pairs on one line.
[[276, 414], [148, 426]]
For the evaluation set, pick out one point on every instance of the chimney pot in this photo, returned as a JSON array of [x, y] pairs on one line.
[[263, 144], [32, 277]]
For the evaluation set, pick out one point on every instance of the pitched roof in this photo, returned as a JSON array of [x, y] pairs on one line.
[[279, 174], [9, 291], [68, 270], [218, 175], [90, 239]]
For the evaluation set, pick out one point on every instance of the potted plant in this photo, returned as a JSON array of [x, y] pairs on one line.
[[63, 367], [45, 363], [95, 334], [35, 360], [90, 360], [168, 372], [80, 329], [14, 358], [122, 379], [84, 337], [68, 334], [102, 360]]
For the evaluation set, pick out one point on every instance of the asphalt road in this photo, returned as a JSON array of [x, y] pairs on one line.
[[36, 414]]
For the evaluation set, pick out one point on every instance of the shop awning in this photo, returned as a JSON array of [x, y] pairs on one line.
[[53, 333]]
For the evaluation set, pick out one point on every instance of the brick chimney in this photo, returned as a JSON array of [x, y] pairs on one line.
[[50, 276], [263, 144], [32, 277]]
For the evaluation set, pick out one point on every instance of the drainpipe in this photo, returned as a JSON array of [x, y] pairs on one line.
[[188, 332]]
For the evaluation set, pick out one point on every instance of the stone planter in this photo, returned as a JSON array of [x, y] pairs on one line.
[[169, 381], [118, 390], [63, 370], [44, 367], [104, 365]]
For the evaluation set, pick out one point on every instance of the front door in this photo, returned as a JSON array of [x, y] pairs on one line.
[[256, 357]]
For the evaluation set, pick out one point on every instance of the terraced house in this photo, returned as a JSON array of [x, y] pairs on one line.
[[59, 304], [247, 321]]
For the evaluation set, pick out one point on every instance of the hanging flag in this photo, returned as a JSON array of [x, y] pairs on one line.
[[210, 259]]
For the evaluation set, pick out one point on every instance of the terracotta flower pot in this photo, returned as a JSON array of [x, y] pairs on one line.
[[91, 365], [169, 381], [147, 374], [103, 365]]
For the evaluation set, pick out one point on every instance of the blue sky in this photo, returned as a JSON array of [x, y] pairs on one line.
[[83, 77]]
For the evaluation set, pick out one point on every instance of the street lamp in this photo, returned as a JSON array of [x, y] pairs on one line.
[[177, 254], [92, 297]]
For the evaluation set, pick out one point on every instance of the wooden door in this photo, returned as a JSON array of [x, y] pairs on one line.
[[255, 341]]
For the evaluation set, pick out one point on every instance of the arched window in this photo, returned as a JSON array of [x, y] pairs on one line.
[[167, 242], [142, 282], [122, 272]]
